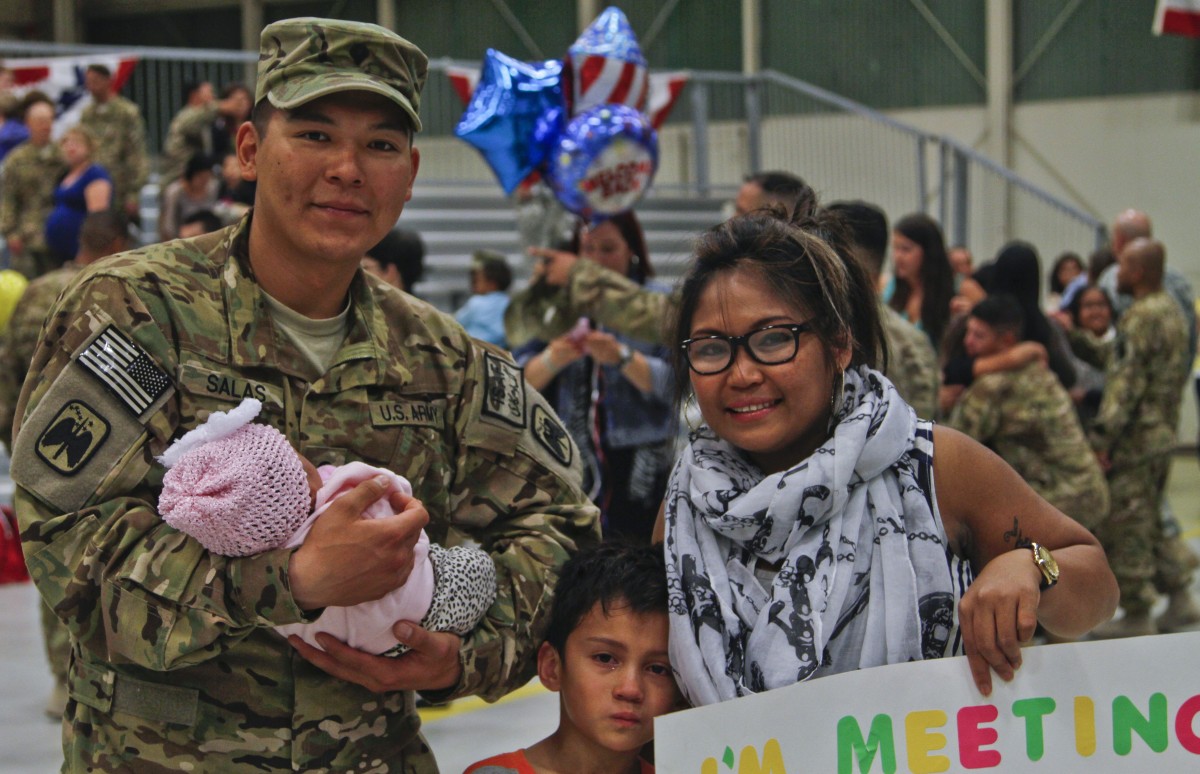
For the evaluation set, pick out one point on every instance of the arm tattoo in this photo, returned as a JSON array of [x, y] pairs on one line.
[[1015, 534]]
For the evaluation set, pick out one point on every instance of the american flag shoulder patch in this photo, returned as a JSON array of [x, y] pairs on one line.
[[124, 369]]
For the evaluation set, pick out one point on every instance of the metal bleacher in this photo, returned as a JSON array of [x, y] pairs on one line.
[[455, 221]]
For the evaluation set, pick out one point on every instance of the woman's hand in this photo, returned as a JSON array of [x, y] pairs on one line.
[[999, 613], [563, 351], [991, 515], [603, 347]]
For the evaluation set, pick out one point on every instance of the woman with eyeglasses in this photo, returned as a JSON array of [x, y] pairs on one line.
[[804, 533]]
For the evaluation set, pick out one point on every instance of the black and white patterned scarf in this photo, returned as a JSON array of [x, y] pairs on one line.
[[862, 559]]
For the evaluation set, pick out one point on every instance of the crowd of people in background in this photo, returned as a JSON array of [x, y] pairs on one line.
[[1062, 409]]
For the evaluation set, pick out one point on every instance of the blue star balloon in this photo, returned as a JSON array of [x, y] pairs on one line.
[[605, 161], [502, 119]]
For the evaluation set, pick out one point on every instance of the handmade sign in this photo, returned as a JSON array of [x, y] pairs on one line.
[[1118, 706]]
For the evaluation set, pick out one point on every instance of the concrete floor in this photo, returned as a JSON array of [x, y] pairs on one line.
[[461, 734]]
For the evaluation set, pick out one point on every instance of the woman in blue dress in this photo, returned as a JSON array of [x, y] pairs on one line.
[[86, 188]]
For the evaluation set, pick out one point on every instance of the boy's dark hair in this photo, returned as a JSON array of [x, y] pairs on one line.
[[493, 267], [611, 573], [1003, 313]]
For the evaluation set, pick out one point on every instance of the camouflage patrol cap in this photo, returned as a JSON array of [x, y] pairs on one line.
[[302, 59]]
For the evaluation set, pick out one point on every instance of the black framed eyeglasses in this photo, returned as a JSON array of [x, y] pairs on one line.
[[769, 345]]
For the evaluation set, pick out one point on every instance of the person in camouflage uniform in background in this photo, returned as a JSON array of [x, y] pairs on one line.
[[31, 171], [1027, 417], [563, 288], [911, 363], [189, 133], [120, 134], [103, 233], [175, 664], [1133, 435]]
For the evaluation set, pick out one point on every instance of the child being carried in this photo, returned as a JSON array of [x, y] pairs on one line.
[[241, 489]]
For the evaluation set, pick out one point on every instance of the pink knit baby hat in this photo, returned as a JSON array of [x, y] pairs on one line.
[[236, 487]]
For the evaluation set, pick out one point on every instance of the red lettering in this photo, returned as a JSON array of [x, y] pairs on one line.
[[972, 736], [1184, 722]]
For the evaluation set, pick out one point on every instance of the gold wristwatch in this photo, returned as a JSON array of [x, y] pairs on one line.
[[1045, 562]]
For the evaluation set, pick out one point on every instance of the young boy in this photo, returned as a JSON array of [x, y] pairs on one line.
[[483, 314], [605, 654], [1027, 418]]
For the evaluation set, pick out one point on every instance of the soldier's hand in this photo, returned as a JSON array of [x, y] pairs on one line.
[[556, 264], [432, 664], [347, 559]]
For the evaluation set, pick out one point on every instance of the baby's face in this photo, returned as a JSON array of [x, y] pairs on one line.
[[314, 481]]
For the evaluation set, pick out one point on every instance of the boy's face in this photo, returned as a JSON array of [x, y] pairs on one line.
[[613, 679], [480, 284]]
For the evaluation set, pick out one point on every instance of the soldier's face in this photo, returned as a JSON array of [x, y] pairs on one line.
[[333, 177], [96, 84], [981, 339]]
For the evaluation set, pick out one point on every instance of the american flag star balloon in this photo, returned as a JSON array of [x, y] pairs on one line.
[[605, 65]]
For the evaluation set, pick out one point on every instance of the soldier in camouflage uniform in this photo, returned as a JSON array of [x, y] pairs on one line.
[[120, 136], [190, 133], [1027, 418], [31, 171], [1133, 435], [175, 664], [911, 360], [103, 233]]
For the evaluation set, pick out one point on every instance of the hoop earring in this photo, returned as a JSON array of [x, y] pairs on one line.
[[688, 404]]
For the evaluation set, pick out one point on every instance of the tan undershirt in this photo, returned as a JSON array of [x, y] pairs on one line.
[[317, 340]]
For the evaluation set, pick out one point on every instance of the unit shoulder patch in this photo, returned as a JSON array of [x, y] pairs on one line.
[[551, 434], [75, 433], [504, 391]]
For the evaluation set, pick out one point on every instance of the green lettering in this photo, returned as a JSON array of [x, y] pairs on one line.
[[851, 746], [1127, 719], [1033, 710]]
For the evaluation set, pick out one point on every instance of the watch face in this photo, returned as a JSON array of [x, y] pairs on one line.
[[1047, 560]]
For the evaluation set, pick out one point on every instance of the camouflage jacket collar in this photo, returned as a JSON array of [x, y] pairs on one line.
[[370, 354]]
